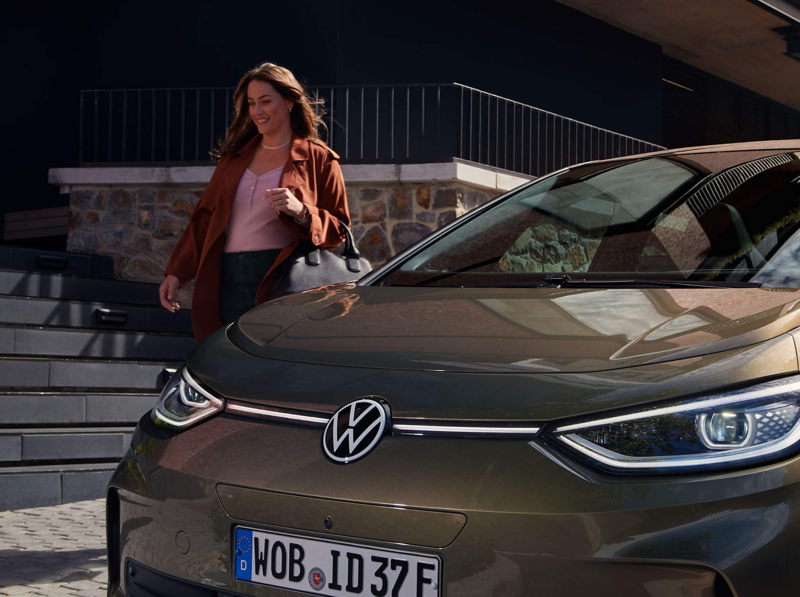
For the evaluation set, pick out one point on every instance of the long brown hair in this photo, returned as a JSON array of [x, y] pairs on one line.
[[305, 117]]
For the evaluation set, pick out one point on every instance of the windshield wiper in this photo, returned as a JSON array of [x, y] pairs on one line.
[[567, 281]]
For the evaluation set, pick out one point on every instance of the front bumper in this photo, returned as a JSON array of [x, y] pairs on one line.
[[530, 526]]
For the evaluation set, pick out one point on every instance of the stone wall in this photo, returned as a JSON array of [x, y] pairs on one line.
[[388, 219], [139, 227]]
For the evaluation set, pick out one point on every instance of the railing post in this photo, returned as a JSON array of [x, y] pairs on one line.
[[361, 132], [377, 120], [197, 124], [124, 124], [110, 117], [80, 133], [96, 124]]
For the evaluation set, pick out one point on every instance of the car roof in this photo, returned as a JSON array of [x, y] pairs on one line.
[[781, 144]]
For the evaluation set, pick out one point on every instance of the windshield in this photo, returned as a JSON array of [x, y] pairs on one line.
[[716, 217]]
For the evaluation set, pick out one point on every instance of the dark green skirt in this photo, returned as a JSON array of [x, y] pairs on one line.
[[241, 275]]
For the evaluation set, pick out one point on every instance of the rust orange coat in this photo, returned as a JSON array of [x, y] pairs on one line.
[[312, 174]]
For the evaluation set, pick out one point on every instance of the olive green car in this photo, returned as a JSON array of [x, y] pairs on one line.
[[588, 386]]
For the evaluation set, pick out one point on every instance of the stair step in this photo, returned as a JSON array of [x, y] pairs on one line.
[[41, 408], [22, 258], [17, 372], [94, 315], [38, 486], [57, 286], [65, 342], [84, 443]]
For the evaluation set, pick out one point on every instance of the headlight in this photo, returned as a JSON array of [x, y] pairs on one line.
[[183, 402], [730, 429]]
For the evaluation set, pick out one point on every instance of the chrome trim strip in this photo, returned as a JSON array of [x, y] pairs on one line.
[[405, 428], [264, 412], [462, 429], [724, 399]]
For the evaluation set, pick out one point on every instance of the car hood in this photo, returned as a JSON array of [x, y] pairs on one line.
[[518, 330]]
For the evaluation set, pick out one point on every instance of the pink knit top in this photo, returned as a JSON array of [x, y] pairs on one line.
[[254, 225]]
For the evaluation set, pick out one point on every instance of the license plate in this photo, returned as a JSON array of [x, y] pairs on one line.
[[333, 568]]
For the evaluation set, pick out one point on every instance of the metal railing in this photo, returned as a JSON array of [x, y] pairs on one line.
[[366, 124]]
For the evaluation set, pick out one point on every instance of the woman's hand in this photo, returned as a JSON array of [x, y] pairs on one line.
[[283, 201], [166, 293]]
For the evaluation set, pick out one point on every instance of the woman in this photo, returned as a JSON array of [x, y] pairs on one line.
[[276, 184]]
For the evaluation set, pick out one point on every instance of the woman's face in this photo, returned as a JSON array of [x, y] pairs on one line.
[[268, 109]]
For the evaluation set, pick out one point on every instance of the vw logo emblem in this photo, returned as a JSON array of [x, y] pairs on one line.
[[354, 430]]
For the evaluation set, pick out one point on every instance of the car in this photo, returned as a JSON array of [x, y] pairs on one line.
[[586, 386]]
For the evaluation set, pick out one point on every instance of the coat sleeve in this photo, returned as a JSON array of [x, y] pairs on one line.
[[185, 258], [324, 230]]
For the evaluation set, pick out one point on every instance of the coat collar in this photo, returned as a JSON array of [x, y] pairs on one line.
[[299, 150]]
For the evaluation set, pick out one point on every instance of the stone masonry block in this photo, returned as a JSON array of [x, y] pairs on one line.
[[184, 205], [7, 340], [123, 409], [373, 212], [445, 218], [29, 490], [374, 245], [72, 374], [352, 205], [84, 485], [121, 208], [367, 195], [406, 234], [146, 217], [445, 198], [168, 227], [22, 373], [400, 205], [146, 196], [423, 196], [60, 446], [42, 409], [10, 448]]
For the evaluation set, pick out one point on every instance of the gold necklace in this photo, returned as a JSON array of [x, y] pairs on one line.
[[276, 147]]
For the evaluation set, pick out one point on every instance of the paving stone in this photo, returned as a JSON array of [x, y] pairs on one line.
[[36, 558]]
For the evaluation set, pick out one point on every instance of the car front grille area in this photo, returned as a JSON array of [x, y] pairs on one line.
[[141, 581]]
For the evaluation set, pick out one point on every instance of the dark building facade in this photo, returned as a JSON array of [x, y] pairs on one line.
[[542, 53]]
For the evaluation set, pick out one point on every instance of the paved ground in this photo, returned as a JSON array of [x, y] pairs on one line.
[[59, 550]]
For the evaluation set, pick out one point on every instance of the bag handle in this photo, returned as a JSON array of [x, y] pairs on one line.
[[351, 254]]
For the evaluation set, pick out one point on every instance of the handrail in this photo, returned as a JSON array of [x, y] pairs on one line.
[[372, 123]]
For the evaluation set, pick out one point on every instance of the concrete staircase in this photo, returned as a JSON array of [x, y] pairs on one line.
[[81, 356]]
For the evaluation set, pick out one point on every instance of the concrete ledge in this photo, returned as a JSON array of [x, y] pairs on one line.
[[481, 176], [176, 175]]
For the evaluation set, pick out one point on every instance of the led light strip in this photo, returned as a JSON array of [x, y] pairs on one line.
[[403, 428], [265, 412], [732, 398], [448, 429]]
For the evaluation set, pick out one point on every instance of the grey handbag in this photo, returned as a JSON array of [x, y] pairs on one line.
[[310, 267]]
